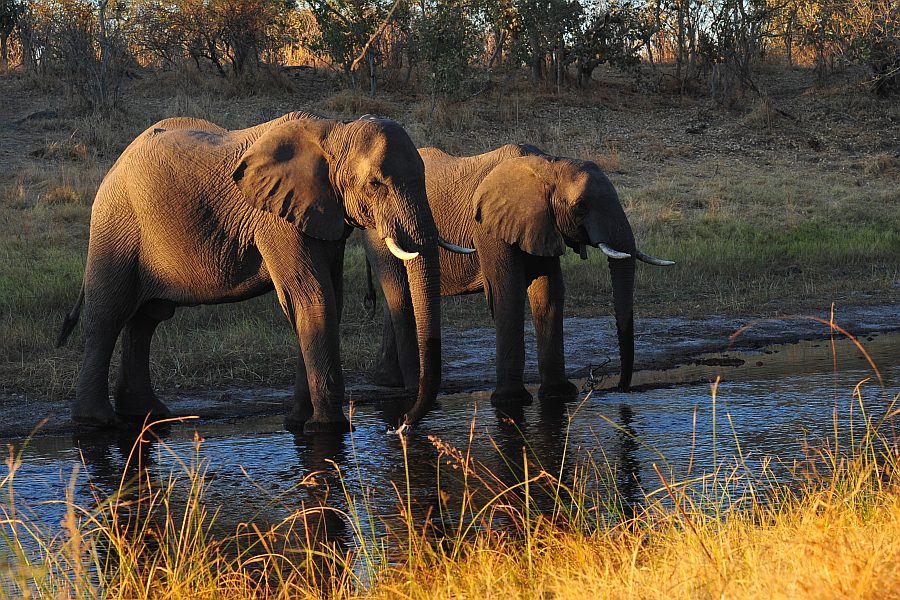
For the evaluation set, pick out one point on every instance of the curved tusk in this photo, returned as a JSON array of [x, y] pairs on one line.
[[652, 260], [612, 253], [398, 251], [453, 247]]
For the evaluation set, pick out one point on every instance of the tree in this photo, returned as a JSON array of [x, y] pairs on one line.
[[345, 29], [10, 11], [615, 35], [446, 46], [542, 27]]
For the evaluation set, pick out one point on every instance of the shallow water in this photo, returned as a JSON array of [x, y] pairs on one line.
[[776, 404]]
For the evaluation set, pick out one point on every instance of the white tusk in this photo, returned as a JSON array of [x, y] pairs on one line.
[[400, 431], [398, 251], [453, 247], [612, 253], [652, 260]]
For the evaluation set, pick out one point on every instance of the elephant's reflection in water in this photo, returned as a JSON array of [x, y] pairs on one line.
[[118, 461], [628, 480], [119, 467], [574, 470], [139, 480]]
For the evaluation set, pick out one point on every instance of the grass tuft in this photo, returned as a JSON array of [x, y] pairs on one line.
[[351, 104], [882, 164]]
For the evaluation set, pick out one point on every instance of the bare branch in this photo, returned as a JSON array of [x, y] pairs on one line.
[[375, 35]]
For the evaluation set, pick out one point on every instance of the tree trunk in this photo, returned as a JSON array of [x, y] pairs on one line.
[[4, 52], [560, 51], [373, 76], [537, 55], [679, 52]]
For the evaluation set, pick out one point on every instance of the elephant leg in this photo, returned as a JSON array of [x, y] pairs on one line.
[[302, 270], [398, 362], [108, 305], [387, 368], [303, 406], [546, 294], [92, 405], [135, 399], [317, 331], [505, 292]]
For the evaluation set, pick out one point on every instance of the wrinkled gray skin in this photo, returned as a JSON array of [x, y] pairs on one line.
[[194, 214], [520, 209]]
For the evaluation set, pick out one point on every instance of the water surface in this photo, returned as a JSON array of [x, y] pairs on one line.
[[772, 408]]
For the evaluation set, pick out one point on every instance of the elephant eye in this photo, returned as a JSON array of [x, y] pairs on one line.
[[374, 184], [580, 209]]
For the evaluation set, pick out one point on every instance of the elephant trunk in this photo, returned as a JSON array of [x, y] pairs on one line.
[[423, 273], [621, 271], [618, 238]]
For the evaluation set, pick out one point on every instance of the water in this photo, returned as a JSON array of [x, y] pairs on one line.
[[777, 404]]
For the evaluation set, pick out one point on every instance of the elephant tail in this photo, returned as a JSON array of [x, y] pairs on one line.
[[370, 301], [71, 319]]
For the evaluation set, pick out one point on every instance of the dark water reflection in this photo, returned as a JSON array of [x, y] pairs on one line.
[[255, 470]]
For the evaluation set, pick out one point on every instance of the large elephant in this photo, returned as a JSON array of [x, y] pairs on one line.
[[193, 214], [520, 208]]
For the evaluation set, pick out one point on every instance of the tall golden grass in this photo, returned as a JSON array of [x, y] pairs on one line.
[[831, 531]]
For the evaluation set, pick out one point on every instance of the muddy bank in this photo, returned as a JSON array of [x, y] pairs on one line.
[[668, 351], [659, 343]]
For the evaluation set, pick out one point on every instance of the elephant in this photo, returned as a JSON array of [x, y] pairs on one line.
[[520, 208], [191, 213]]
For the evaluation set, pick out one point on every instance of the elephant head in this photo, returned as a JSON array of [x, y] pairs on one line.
[[543, 204], [324, 175]]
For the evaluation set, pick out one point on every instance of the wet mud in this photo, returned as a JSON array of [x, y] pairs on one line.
[[668, 352]]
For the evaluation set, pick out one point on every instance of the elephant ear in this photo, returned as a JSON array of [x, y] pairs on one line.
[[285, 172], [513, 204]]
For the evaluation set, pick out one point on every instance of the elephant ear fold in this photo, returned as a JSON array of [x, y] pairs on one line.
[[513, 204], [286, 172]]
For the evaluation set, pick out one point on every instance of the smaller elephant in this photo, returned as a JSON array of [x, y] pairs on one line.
[[520, 208], [193, 214]]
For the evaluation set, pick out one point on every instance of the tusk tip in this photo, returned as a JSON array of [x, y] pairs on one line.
[[397, 251], [451, 247], [652, 260]]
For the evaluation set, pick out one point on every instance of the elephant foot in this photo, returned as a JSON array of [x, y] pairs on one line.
[[133, 408], [563, 390], [97, 415], [315, 425], [513, 397], [294, 422], [385, 378]]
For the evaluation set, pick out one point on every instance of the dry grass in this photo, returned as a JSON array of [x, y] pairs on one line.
[[802, 552], [354, 104], [763, 115], [831, 531], [609, 159], [882, 164]]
